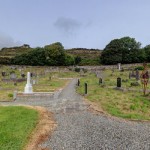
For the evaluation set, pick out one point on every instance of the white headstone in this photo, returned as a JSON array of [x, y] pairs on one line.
[[28, 87], [119, 66]]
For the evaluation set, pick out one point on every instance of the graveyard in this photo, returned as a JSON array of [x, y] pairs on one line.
[[117, 92], [126, 101]]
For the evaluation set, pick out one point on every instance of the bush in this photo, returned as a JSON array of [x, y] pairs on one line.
[[139, 68], [77, 69], [10, 95], [135, 84]]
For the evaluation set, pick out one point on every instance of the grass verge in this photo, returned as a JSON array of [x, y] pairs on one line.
[[16, 125]]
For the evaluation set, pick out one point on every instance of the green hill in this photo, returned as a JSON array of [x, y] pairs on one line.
[[88, 56], [7, 53]]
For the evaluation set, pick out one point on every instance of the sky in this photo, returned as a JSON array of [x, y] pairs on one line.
[[74, 23]]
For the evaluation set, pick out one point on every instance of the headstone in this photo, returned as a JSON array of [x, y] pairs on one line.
[[3, 74], [118, 82], [13, 76], [23, 75], [137, 75], [132, 73], [78, 83], [100, 81], [50, 78], [15, 83], [33, 82], [28, 87], [85, 86], [15, 95], [119, 66], [129, 75]]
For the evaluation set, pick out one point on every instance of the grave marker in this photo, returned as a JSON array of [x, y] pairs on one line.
[[119, 82]]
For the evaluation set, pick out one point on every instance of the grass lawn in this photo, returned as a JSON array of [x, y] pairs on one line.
[[132, 105], [16, 125]]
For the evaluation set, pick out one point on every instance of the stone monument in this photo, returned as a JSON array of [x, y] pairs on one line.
[[119, 66], [28, 87]]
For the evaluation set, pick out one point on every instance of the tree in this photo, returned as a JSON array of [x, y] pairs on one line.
[[118, 51], [55, 54], [35, 57], [69, 60], [146, 49]]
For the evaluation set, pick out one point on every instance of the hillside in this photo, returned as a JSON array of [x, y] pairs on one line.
[[7, 53], [88, 56]]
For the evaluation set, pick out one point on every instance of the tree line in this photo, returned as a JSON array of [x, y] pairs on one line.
[[51, 55], [125, 50]]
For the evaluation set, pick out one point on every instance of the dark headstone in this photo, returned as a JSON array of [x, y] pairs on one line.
[[15, 83], [129, 75], [118, 82], [23, 75], [85, 87], [3, 74], [100, 81], [78, 83]]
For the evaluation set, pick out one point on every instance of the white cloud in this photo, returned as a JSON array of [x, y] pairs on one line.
[[7, 41]]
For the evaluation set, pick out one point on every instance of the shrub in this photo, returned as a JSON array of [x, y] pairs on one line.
[[77, 69], [139, 68], [10, 95], [135, 84]]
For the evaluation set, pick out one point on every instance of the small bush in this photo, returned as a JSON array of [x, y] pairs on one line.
[[124, 80], [135, 84], [10, 95], [139, 68], [77, 69]]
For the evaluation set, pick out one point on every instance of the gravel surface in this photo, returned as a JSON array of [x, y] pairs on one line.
[[79, 129]]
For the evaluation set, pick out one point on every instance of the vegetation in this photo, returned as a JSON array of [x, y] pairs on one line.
[[16, 125], [85, 56], [123, 50], [128, 103]]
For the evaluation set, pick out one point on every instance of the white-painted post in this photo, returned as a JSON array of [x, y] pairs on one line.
[[28, 87]]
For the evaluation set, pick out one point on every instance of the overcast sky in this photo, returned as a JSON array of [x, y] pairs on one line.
[[74, 23]]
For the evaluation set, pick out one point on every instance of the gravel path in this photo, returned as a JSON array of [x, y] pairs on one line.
[[78, 129]]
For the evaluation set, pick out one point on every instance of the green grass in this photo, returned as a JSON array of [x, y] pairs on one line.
[[132, 105], [16, 125]]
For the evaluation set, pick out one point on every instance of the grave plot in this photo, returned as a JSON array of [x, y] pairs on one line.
[[118, 92]]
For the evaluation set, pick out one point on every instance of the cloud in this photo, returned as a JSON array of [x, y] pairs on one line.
[[67, 25], [7, 41]]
